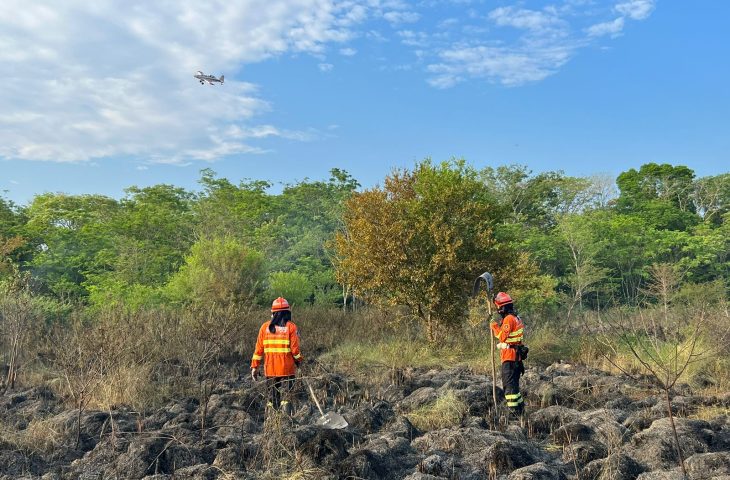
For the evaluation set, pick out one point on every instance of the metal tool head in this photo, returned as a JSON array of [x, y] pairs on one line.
[[332, 420], [485, 277]]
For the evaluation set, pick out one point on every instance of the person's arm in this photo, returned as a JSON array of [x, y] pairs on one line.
[[501, 333], [258, 353], [294, 344]]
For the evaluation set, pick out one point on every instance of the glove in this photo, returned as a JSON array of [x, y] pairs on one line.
[[253, 374], [492, 322]]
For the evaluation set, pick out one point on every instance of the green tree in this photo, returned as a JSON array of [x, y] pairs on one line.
[[228, 210], [153, 233], [296, 287], [661, 194], [711, 197], [70, 235], [580, 240], [219, 271]]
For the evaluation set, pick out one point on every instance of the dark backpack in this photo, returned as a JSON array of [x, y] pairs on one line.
[[522, 351]]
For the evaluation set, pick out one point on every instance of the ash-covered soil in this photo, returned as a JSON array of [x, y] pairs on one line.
[[581, 424]]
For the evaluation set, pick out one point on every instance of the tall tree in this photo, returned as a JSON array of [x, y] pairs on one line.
[[421, 239], [70, 235], [153, 233], [661, 194], [711, 197]]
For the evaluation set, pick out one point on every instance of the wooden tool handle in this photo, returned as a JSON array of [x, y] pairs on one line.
[[314, 397]]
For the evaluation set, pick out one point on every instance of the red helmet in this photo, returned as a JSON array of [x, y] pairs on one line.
[[280, 304], [502, 299]]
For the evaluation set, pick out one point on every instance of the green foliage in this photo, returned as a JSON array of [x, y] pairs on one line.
[[153, 234], [549, 238], [109, 291], [219, 271], [661, 194], [70, 235], [421, 239], [294, 286]]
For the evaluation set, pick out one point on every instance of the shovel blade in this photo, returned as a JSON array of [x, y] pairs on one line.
[[332, 420]]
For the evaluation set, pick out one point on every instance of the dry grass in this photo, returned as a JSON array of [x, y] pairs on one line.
[[447, 411], [150, 356], [277, 456], [40, 436], [130, 385], [710, 412]]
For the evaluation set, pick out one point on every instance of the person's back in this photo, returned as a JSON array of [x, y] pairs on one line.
[[277, 344]]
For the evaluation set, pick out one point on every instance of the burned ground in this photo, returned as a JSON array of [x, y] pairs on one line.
[[581, 423]]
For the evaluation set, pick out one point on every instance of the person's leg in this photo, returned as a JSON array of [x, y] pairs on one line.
[[510, 383], [287, 383], [271, 387], [520, 371], [277, 390]]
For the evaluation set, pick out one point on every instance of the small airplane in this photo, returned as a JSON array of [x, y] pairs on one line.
[[207, 78]]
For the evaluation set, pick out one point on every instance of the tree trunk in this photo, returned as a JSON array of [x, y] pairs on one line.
[[674, 431], [78, 423], [430, 329], [10, 383]]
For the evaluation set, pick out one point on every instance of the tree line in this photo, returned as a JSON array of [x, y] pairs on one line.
[[418, 240]]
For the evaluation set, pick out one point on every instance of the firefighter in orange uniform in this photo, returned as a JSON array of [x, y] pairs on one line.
[[510, 335], [278, 346]]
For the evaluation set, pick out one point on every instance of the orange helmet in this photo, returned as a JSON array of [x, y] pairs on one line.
[[280, 304], [502, 299]]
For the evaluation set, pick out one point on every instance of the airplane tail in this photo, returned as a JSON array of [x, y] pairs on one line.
[[222, 78]]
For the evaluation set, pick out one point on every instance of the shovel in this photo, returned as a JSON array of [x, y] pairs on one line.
[[330, 420]]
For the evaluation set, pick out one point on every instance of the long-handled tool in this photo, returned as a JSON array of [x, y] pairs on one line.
[[487, 279], [331, 420]]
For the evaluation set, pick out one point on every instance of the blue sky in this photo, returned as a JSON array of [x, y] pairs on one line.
[[99, 96]]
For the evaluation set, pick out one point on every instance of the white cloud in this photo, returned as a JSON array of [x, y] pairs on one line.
[[87, 80], [414, 39], [397, 17], [525, 19], [613, 28], [543, 41], [541, 47], [499, 64], [636, 9]]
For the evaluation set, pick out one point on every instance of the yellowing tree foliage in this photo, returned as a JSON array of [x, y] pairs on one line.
[[422, 239]]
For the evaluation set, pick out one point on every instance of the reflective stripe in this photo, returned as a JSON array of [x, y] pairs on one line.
[[517, 332], [257, 357], [513, 396], [515, 403], [513, 340], [277, 350], [282, 341]]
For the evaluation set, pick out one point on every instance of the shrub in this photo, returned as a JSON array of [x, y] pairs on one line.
[[293, 286]]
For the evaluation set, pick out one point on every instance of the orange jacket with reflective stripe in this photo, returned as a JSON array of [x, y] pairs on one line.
[[511, 332], [278, 350]]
